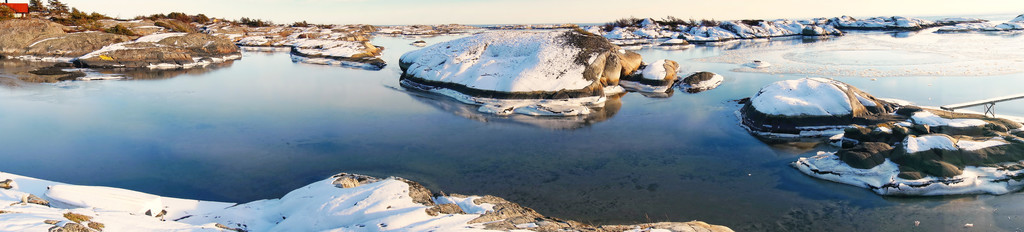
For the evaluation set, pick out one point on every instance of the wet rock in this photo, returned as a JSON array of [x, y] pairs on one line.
[[50, 74], [444, 209], [865, 155]]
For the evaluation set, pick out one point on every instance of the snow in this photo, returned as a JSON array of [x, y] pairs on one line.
[[969, 145], [320, 206], [803, 97], [655, 71], [158, 37], [883, 179], [506, 61], [106, 198], [930, 119], [914, 144]]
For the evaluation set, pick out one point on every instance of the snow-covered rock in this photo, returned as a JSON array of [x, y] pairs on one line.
[[337, 52], [881, 23], [344, 202], [655, 77], [701, 81], [811, 107], [1015, 24], [507, 70], [885, 179]]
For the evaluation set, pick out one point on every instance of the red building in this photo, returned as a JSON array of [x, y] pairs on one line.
[[20, 9]]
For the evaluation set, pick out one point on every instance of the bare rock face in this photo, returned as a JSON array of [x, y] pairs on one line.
[[16, 35], [74, 44], [71, 227], [177, 51], [444, 209]]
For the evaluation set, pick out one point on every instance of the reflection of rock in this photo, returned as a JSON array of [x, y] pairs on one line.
[[158, 74], [701, 81], [549, 73], [50, 75], [611, 107]]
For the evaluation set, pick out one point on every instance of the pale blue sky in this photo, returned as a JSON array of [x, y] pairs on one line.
[[382, 12]]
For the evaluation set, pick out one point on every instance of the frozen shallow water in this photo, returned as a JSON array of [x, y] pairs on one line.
[[888, 54], [261, 126]]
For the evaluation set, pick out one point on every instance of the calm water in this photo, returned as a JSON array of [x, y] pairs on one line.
[[262, 126]]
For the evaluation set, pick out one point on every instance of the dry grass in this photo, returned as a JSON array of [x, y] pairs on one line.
[[77, 218]]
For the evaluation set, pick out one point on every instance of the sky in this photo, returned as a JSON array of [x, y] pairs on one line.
[[399, 12]]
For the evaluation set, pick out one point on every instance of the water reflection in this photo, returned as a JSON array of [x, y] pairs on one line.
[[445, 103]]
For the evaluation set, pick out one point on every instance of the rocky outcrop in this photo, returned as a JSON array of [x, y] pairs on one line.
[[812, 106], [159, 51], [894, 23], [1015, 24], [356, 54], [17, 35], [888, 148], [74, 44]]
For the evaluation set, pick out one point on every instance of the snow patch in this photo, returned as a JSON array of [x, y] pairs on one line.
[[803, 97]]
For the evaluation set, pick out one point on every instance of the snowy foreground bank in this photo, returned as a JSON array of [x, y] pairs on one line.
[[343, 202], [890, 148]]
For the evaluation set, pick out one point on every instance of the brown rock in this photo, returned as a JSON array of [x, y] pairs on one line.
[[418, 193], [449, 208], [33, 199], [16, 35], [71, 227], [7, 184]]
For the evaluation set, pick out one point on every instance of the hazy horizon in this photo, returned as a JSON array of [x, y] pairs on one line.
[[404, 12]]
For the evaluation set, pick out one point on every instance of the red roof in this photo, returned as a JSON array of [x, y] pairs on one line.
[[17, 7]]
